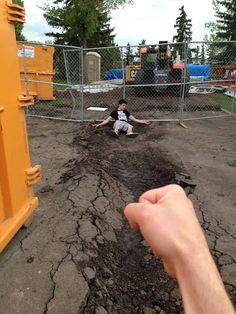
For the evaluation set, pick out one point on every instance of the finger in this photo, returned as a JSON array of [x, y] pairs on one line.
[[153, 196], [131, 212]]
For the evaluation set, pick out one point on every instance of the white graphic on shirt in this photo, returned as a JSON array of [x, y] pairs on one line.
[[122, 116]]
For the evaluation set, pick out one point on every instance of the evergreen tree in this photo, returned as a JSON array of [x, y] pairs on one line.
[[77, 20], [226, 19], [103, 36], [184, 33], [19, 27], [128, 54], [183, 26], [140, 45], [82, 23], [196, 52], [203, 55], [115, 4], [224, 30]]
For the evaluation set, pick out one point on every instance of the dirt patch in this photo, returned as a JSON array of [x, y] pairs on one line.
[[79, 254], [128, 277], [73, 104]]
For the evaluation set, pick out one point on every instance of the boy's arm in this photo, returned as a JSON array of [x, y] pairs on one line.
[[106, 121], [146, 122]]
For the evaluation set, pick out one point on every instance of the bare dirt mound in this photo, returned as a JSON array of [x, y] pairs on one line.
[[129, 279]]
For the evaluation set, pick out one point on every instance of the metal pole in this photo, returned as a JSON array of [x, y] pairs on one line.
[[69, 84], [66, 68], [82, 82], [123, 71], [25, 77], [233, 102], [182, 95]]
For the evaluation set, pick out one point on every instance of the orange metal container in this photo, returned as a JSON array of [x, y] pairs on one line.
[[17, 177], [36, 64]]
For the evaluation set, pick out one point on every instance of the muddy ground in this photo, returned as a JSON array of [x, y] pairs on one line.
[[71, 104], [79, 254]]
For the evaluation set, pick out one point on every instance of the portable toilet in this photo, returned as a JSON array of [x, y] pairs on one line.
[[93, 67]]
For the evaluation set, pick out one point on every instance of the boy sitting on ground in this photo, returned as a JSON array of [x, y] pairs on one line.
[[121, 116]]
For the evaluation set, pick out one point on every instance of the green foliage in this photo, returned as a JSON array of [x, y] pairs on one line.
[[224, 29], [196, 54], [128, 54], [226, 19], [203, 54], [212, 48], [19, 27], [77, 20], [183, 26], [82, 23], [141, 44], [115, 4], [111, 58]]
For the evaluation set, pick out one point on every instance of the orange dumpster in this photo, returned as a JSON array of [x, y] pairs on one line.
[[17, 176], [36, 64]]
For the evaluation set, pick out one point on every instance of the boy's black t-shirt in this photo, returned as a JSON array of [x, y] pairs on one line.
[[121, 115]]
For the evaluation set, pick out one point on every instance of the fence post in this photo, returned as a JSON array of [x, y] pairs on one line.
[[69, 82], [183, 83], [123, 71], [82, 81], [25, 77], [233, 102]]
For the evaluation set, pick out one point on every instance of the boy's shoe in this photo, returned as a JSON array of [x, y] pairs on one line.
[[132, 135]]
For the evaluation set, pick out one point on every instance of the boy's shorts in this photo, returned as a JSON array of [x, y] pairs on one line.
[[121, 125]]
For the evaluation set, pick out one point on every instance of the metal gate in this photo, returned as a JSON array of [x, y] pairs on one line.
[[208, 75]]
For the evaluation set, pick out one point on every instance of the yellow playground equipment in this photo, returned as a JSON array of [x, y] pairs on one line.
[[17, 176]]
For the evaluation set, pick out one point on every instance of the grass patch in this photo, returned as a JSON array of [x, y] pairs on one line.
[[226, 102], [59, 81], [60, 101]]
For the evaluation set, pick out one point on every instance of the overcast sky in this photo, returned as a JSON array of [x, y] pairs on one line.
[[152, 20]]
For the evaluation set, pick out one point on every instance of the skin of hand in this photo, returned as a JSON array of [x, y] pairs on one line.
[[167, 220], [96, 125], [146, 122], [104, 122]]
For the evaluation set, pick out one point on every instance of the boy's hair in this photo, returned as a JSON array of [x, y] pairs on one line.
[[122, 101]]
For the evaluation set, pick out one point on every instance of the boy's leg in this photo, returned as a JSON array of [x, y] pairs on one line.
[[116, 127], [129, 129], [116, 130]]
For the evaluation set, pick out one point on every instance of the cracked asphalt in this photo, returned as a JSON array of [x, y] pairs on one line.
[[79, 255]]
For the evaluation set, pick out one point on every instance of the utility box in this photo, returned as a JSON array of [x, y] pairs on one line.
[[36, 70], [93, 67], [17, 176]]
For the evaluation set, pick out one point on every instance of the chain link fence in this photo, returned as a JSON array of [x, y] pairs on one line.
[[163, 82]]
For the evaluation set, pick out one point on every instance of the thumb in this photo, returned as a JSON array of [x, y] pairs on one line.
[[132, 212]]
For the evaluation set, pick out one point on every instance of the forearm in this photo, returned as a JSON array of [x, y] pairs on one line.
[[201, 285], [167, 220], [103, 123], [137, 120]]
